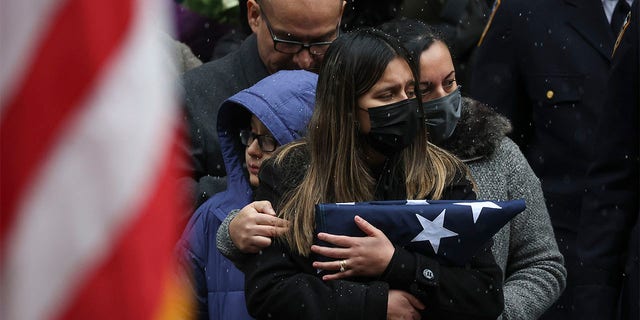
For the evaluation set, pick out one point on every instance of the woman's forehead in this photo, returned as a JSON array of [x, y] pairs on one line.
[[397, 71]]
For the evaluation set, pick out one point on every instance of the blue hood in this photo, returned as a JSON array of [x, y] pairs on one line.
[[283, 102]]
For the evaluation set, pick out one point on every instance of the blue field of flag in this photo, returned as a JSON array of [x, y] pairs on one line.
[[450, 230]]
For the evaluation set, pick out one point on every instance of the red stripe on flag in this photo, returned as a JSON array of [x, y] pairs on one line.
[[81, 39], [129, 284]]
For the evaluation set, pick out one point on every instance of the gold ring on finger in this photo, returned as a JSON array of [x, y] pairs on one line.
[[343, 265]]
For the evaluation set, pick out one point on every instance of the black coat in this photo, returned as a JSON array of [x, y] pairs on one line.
[[206, 87], [618, 154], [283, 285], [547, 66]]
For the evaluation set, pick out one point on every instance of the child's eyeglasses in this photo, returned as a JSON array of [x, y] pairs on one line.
[[266, 142]]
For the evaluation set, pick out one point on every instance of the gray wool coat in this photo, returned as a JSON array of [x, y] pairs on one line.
[[525, 248]]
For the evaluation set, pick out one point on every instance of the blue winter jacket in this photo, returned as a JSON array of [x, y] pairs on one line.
[[283, 102]]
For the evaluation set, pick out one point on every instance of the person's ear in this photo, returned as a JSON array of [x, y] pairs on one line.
[[253, 15]]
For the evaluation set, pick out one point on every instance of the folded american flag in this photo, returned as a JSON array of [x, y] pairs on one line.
[[449, 230]]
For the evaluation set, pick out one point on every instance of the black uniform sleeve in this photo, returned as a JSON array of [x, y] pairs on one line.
[[493, 78]]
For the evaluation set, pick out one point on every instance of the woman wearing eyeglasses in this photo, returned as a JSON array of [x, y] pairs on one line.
[[251, 125]]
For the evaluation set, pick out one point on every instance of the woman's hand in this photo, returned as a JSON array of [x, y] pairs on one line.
[[355, 256], [254, 226], [402, 305]]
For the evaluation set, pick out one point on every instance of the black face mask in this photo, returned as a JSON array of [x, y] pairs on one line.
[[394, 126], [442, 115]]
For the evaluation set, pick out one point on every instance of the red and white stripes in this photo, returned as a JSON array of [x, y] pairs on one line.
[[88, 213]]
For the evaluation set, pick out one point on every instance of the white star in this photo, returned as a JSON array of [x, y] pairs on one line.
[[433, 231], [417, 202], [476, 207]]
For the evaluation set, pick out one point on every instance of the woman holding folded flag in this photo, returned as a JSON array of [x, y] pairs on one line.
[[366, 142]]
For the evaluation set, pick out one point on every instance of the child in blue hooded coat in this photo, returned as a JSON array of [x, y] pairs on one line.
[[251, 124]]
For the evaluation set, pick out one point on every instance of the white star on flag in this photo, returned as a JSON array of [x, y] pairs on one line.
[[433, 231], [476, 207]]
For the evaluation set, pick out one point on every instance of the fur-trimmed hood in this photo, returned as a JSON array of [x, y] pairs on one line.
[[478, 133]]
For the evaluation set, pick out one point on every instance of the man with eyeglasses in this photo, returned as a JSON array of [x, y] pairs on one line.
[[287, 35]]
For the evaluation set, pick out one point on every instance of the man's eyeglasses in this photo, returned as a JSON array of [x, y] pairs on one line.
[[266, 142], [293, 47]]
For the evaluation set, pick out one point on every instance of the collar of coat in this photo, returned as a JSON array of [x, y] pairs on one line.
[[478, 133]]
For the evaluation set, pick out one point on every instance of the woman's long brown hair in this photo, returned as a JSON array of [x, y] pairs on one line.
[[337, 169]]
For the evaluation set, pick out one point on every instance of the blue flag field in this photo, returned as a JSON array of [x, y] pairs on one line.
[[449, 230]]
